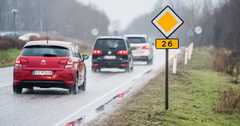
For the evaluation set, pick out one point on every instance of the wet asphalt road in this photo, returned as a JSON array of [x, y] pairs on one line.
[[54, 106]]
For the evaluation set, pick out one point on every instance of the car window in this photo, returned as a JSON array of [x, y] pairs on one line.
[[128, 45], [136, 40], [39, 50], [77, 54], [73, 51], [109, 44]]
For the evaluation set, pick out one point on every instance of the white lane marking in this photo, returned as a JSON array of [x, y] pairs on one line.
[[79, 110], [5, 84]]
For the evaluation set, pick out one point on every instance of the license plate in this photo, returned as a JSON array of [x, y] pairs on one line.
[[109, 57], [42, 72], [134, 48]]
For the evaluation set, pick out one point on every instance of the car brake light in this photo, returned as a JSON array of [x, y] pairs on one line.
[[146, 47], [63, 61], [95, 64], [23, 61], [69, 63], [18, 62], [123, 65], [96, 52], [122, 52]]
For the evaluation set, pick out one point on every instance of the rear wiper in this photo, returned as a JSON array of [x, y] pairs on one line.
[[49, 55], [112, 48]]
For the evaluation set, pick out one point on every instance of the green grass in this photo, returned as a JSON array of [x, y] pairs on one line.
[[7, 57], [193, 97]]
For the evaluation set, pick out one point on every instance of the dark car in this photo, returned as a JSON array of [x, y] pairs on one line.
[[112, 52], [49, 64]]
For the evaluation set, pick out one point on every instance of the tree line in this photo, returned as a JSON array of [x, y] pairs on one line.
[[68, 17]]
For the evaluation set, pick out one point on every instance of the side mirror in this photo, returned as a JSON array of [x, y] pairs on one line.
[[85, 57]]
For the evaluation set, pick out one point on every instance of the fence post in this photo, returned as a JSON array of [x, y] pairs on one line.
[[175, 64], [189, 52], [186, 56]]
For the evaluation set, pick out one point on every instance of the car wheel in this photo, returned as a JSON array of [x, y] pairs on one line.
[[83, 86], [17, 89], [132, 67], [94, 69], [151, 61], [127, 69], [73, 89]]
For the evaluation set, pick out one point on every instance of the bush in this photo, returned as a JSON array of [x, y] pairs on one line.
[[229, 99], [225, 61], [8, 43]]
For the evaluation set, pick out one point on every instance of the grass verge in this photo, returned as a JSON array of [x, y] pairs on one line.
[[193, 98], [7, 57]]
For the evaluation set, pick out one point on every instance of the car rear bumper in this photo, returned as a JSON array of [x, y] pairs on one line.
[[140, 58], [26, 78], [42, 83], [110, 64]]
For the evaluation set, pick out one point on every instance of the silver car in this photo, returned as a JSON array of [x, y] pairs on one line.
[[142, 48]]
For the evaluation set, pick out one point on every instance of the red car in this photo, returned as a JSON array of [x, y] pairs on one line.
[[48, 64]]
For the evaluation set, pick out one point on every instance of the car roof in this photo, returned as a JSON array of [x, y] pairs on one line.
[[136, 35], [114, 37], [50, 42], [31, 34]]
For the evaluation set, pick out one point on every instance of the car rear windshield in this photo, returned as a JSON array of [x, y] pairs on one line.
[[136, 40], [37, 50], [109, 44]]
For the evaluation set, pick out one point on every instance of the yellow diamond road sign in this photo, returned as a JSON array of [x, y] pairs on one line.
[[167, 21]]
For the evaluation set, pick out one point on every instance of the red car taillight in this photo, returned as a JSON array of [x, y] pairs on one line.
[[69, 63], [95, 64], [122, 52], [18, 62], [146, 47], [96, 52]]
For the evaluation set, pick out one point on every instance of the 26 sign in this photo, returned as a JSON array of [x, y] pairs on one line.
[[167, 44]]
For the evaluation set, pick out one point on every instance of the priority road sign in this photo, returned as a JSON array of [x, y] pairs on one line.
[[167, 21]]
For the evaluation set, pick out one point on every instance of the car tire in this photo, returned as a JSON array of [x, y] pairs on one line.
[[74, 89], [149, 62], [83, 86], [132, 67], [94, 69], [17, 89], [127, 69]]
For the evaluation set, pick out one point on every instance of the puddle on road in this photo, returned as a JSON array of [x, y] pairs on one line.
[[82, 120], [93, 114]]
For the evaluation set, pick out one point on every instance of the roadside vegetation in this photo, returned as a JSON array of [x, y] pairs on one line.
[[7, 57], [197, 96]]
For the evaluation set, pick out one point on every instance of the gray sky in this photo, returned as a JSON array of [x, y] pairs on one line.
[[122, 12]]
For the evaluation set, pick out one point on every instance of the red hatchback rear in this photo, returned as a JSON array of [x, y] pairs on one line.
[[49, 64]]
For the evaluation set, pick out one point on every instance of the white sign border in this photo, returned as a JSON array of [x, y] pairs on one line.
[[165, 10]]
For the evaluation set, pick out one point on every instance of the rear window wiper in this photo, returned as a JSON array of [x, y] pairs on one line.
[[49, 55], [112, 48]]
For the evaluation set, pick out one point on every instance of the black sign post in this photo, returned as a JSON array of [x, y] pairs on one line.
[[166, 81], [167, 22]]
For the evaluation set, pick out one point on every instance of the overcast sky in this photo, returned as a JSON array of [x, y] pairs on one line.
[[123, 11]]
